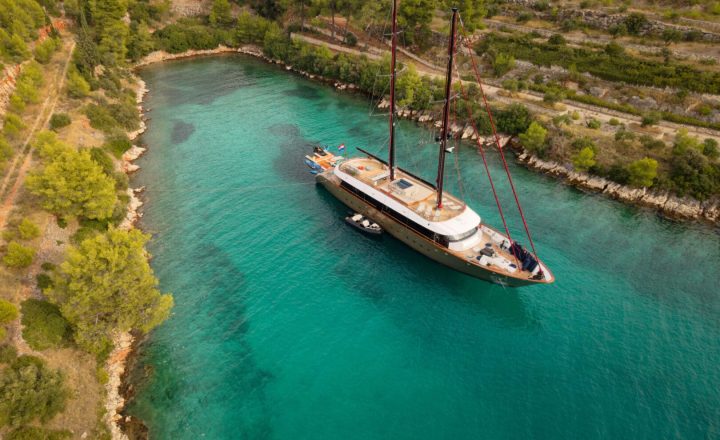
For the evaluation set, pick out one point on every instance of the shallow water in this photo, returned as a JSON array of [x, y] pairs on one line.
[[290, 325]]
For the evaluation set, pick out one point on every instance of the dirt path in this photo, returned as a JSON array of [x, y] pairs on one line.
[[23, 160], [532, 100]]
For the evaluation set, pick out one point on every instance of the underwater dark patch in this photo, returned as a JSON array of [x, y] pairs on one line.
[[303, 91], [181, 131]]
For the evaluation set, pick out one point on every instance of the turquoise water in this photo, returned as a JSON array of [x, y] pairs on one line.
[[290, 325]]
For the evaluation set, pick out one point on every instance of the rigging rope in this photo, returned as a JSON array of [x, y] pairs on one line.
[[497, 142]]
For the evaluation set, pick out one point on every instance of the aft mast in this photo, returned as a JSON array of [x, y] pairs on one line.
[[391, 152], [446, 111]]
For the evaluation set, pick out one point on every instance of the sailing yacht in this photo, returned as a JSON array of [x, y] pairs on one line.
[[422, 215]]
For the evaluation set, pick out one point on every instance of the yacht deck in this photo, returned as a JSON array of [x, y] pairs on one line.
[[410, 191]]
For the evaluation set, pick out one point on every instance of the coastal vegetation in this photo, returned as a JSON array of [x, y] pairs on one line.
[[103, 285]]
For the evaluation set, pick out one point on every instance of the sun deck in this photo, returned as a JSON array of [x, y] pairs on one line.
[[408, 190]]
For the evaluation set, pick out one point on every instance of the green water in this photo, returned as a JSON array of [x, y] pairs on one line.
[[290, 325]]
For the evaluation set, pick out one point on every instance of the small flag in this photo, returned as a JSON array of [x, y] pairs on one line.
[[341, 147]]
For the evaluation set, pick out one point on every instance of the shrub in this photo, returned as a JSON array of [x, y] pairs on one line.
[[710, 148], [534, 138], [513, 120], [30, 391], [100, 117], [583, 142], [28, 230], [556, 39], [6, 151], [553, 95], [614, 122], [77, 86], [642, 172], [13, 126], [36, 433], [43, 325], [59, 120], [650, 118], [18, 256], [502, 64], [117, 144], [103, 159], [43, 281], [651, 143], [8, 312], [584, 159], [8, 353], [593, 123], [16, 104], [44, 51]]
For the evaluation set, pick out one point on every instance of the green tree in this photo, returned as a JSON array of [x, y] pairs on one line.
[[105, 285], [59, 120], [43, 325], [77, 87], [251, 29], [684, 142], [13, 126], [28, 230], [515, 119], [502, 64], [414, 17], [471, 11], [710, 148], [18, 256], [30, 391], [113, 44], [8, 314], [6, 151], [74, 184], [220, 15], [643, 172], [534, 138], [584, 159], [671, 35], [140, 42], [635, 23], [44, 51]]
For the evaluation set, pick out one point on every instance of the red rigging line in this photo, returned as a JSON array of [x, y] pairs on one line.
[[487, 169], [393, 38], [500, 149]]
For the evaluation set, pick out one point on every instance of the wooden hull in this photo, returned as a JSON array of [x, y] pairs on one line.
[[417, 241]]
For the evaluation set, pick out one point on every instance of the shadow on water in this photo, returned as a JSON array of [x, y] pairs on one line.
[[504, 305], [293, 147], [181, 131], [218, 291], [303, 91]]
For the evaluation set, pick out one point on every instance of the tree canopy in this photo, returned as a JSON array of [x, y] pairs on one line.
[[30, 391], [74, 184], [106, 284]]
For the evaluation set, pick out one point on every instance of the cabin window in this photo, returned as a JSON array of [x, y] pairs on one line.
[[459, 237]]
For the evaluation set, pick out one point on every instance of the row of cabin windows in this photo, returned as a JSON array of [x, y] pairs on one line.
[[441, 239]]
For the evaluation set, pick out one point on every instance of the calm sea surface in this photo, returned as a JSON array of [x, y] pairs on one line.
[[291, 325]]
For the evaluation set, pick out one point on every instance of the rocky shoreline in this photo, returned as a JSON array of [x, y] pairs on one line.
[[123, 343], [670, 206]]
